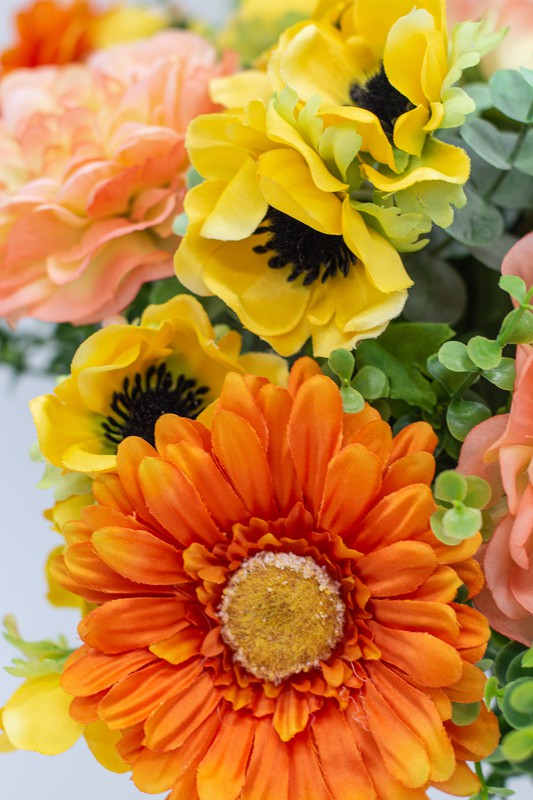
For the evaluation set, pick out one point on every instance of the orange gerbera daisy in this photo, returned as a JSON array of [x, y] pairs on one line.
[[273, 607]]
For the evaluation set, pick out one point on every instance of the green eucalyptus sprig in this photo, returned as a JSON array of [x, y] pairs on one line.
[[40, 658]]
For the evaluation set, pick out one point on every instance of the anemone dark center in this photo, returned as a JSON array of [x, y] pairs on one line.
[[144, 399], [380, 97], [307, 252]]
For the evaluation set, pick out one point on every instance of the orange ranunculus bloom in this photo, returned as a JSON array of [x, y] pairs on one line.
[[51, 32], [272, 605], [92, 174]]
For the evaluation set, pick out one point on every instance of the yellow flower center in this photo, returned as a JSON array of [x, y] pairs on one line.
[[281, 614]]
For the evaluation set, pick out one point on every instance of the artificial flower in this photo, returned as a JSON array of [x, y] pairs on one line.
[[271, 600], [385, 66], [124, 377], [274, 233], [516, 16], [92, 173], [500, 450], [51, 32]]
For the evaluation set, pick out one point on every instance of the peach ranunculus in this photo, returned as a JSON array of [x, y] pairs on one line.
[[501, 451], [92, 173], [516, 49]]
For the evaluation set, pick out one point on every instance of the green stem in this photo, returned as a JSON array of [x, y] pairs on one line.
[[484, 794]]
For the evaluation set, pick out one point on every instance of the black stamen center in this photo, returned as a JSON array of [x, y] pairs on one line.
[[142, 401], [306, 251], [380, 97]]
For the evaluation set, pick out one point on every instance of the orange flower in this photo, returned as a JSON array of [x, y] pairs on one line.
[[272, 602], [51, 33]]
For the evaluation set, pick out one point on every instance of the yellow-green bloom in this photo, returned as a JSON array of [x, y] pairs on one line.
[[273, 232], [124, 377], [386, 66]]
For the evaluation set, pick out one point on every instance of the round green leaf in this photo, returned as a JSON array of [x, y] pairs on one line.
[[371, 382], [454, 356], [465, 713], [352, 401], [515, 718], [450, 486], [504, 658], [463, 415], [521, 697], [461, 522], [518, 745], [485, 353], [517, 327], [342, 362], [514, 286], [478, 493], [503, 376], [478, 223], [512, 94]]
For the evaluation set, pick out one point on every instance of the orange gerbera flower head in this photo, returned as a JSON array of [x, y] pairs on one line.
[[272, 602]]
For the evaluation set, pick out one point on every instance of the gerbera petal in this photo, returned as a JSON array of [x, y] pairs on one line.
[[85, 565], [276, 405], [397, 569], [424, 658], [181, 646], [237, 396], [463, 782], [305, 775], [131, 452], [413, 468], [170, 725], [402, 515], [291, 714], [376, 436], [220, 777], [357, 467], [314, 434], [415, 438], [125, 624], [175, 503], [416, 615], [133, 698], [341, 761], [218, 495], [303, 369], [88, 671], [269, 757], [170, 429], [138, 555], [239, 451]]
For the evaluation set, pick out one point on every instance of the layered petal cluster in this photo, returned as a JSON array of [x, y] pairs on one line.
[[92, 165], [501, 451], [273, 231], [50, 32], [387, 66], [124, 377], [279, 520]]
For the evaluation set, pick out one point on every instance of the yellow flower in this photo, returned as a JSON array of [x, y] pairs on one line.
[[384, 65], [122, 24], [124, 377], [272, 230]]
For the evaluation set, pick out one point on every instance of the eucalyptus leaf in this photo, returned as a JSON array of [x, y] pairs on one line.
[[487, 141], [180, 224], [492, 255], [480, 94], [512, 94], [524, 158], [439, 292], [478, 223], [515, 191]]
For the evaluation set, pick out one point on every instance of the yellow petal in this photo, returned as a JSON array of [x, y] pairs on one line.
[[438, 162], [236, 91], [373, 20], [382, 262], [102, 742], [286, 184], [405, 52], [240, 207], [374, 140], [36, 717], [409, 134]]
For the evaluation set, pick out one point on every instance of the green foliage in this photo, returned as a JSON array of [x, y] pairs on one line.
[[41, 658], [341, 363], [459, 515]]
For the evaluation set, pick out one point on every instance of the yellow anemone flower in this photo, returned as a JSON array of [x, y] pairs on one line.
[[124, 377], [272, 231], [384, 65]]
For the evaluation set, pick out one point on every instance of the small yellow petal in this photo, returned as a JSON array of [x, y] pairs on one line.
[[102, 742], [227, 222], [36, 717], [236, 91]]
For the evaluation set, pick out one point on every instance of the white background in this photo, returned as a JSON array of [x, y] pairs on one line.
[[26, 540]]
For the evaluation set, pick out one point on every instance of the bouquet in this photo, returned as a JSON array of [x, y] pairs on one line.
[[284, 273]]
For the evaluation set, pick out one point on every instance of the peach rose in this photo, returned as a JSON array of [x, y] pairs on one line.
[[501, 451], [516, 49], [92, 173]]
